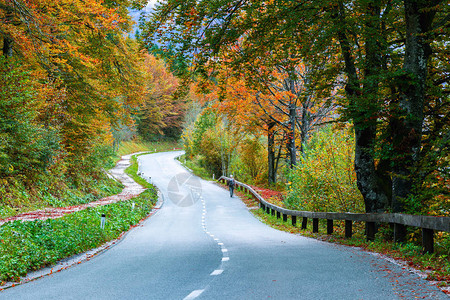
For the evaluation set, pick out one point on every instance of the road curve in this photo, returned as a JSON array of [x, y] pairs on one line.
[[202, 244]]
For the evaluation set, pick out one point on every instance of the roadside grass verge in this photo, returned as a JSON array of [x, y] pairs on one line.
[[132, 172], [436, 265]]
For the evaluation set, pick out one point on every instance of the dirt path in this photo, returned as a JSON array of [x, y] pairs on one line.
[[131, 190]]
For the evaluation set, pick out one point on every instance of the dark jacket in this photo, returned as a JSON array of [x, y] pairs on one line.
[[231, 182]]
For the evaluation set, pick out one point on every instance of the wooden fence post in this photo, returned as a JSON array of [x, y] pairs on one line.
[[315, 225], [348, 228], [329, 226], [400, 228], [427, 240], [294, 220], [304, 222], [399, 233], [371, 230]]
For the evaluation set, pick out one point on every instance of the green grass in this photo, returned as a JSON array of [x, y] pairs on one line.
[[54, 191], [132, 172]]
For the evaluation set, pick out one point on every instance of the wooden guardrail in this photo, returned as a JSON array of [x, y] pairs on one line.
[[428, 224]]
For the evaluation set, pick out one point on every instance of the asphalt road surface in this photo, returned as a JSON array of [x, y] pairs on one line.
[[202, 244]]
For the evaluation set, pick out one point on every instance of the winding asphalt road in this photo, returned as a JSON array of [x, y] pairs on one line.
[[202, 244]]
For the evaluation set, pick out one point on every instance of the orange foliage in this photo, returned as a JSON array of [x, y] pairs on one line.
[[87, 73]]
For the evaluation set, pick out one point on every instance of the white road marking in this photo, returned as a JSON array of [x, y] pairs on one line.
[[197, 293], [193, 295], [216, 272]]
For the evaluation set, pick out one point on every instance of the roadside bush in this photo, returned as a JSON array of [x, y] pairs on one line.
[[325, 179]]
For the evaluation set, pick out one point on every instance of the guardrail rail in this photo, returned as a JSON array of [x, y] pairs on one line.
[[428, 224]]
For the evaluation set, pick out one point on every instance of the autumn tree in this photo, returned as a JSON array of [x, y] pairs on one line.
[[162, 111]]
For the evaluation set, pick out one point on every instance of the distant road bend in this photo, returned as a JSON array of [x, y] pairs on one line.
[[202, 244]]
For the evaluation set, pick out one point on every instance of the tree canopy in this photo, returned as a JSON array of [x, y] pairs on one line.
[[388, 55]]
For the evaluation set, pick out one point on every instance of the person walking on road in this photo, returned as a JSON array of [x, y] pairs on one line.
[[231, 185]]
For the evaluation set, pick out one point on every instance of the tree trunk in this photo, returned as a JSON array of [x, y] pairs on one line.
[[292, 122], [7, 40], [7, 46], [222, 156], [368, 182], [291, 135], [305, 125], [407, 129], [271, 152]]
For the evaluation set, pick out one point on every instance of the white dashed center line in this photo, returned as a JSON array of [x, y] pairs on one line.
[[197, 293], [216, 272], [193, 295]]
